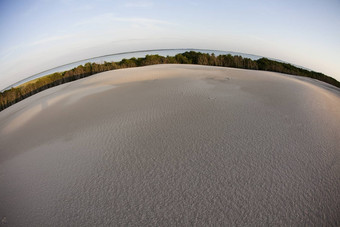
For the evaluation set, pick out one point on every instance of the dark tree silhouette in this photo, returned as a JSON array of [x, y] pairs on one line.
[[14, 95]]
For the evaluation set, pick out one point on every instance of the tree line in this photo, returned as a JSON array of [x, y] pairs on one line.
[[16, 94]]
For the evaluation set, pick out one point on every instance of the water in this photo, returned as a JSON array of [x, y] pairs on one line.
[[127, 55]]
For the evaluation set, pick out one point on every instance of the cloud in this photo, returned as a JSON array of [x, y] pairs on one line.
[[84, 7], [142, 21], [109, 18], [49, 39], [139, 4]]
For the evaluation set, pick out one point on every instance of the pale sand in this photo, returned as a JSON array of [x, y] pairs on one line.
[[173, 145]]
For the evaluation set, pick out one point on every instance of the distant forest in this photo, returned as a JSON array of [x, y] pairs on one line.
[[16, 94]]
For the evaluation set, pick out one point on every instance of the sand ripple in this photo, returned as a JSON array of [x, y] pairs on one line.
[[180, 145]]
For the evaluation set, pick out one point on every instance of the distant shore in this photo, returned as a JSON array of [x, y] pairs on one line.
[[14, 95], [116, 57]]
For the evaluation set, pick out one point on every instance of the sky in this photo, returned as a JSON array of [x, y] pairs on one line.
[[36, 35]]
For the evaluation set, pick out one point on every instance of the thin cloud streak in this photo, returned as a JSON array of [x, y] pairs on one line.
[[139, 4], [109, 17], [49, 40]]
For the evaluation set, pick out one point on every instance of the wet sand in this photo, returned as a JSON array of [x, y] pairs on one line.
[[173, 145]]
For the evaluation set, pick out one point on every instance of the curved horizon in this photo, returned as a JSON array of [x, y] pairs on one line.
[[26, 79], [81, 62]]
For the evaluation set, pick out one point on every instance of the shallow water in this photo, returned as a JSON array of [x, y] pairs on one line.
[[184, 145]]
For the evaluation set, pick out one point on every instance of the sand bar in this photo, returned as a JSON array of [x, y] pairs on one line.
[[173, 145]]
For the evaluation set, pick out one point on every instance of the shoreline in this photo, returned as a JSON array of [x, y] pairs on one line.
[[14, 95]]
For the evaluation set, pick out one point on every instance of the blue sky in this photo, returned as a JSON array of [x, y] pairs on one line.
[[40, 34]]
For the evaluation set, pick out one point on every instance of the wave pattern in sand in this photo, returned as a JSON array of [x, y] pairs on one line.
[[173, 145]]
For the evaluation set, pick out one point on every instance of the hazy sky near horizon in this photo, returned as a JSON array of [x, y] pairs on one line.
[[37, 35]]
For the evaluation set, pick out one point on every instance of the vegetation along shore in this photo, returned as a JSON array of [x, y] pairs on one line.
[[16, 94]]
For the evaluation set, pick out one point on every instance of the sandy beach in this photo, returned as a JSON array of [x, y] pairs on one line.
[[168, 145]]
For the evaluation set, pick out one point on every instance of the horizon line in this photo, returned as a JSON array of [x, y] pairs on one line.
[[136, 51]]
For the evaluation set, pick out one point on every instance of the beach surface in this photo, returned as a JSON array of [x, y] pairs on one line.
[[168, 145]]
